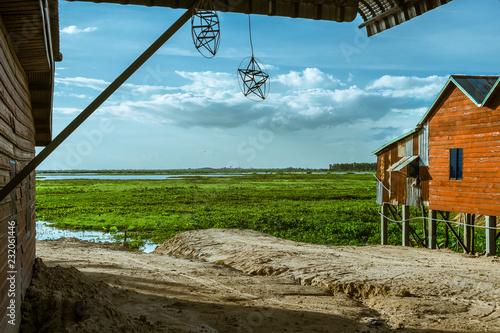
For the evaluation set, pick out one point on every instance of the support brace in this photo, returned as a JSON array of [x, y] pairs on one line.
[[11, 185]]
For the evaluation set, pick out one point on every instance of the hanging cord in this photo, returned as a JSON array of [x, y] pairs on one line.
[[438, 220], [250, 33], [382, 184]]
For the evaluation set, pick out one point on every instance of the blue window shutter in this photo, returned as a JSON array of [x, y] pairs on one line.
[[460, 155], [453, 163]]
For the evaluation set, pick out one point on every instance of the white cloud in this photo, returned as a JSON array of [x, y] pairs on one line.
[[408, 86], [213, 100], [73, 29], [308, 78], [66, 110], [176, 51], [83, 82], [79, 96], [417, 111]]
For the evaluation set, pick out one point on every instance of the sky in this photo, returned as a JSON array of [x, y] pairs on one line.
[[335, 94]]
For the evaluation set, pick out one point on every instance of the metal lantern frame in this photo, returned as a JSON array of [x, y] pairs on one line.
[[205, 28], [253, 76]]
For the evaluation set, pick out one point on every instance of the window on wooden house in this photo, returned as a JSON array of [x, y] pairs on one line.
[[456, 162]]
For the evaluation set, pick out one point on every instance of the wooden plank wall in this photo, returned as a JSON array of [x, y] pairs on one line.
[[459, 123], [17, 144], [397, 182]]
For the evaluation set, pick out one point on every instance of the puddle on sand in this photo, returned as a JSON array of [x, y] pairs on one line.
[[44, 231]]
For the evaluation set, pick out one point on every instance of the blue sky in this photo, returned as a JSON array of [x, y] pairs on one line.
[[336, 95]]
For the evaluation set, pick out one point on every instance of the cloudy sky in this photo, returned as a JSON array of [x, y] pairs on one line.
[[335, 94]]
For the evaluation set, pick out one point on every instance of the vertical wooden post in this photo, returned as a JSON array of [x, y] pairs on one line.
[[472, 234], [432, 229], [468, 232], [425, 241], [405, 216], [383, 225], [491, 222]]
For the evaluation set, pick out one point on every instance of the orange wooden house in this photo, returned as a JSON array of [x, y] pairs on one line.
[[449, 163], [29, 45]]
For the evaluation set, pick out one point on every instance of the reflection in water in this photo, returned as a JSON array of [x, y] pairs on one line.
[[44, 231]]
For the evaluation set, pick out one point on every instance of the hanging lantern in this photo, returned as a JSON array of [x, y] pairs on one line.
[[253, 77], [205, 28]]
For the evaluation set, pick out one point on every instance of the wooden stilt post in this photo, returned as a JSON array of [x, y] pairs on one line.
[[425, 241], [383, 225], [405, 216], [468, 232], [472, 234], [491, 222], [432, 229]]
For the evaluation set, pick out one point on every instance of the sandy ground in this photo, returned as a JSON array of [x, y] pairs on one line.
[[225, 280]]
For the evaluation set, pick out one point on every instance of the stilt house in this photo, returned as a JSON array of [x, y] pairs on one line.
[[450, 162], [29, 45]]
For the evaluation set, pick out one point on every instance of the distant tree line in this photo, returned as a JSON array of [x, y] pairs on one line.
[[359, 167]]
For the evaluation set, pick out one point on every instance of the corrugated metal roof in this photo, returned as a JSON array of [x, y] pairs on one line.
[[380, 15], [393, 141], [475, 87], [478, 88], [468, 89], [492, 92]]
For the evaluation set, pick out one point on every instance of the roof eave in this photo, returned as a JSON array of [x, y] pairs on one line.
[[438, 97], [394, 141], [491, 93]]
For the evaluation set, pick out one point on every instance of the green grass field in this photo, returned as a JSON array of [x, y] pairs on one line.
[[321, 208], [317, 208]]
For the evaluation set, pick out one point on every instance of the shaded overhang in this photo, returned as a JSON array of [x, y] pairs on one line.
[[405, 161], [33, 30], [378, 15], [329, 10]]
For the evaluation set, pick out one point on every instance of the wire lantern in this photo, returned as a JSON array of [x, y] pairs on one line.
[[205, 28], [253, 76]]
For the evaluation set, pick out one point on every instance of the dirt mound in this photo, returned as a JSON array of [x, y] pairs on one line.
[[223, 280], [446, 285], [65, 300]]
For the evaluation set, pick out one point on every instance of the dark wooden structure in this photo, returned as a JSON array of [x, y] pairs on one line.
[[29, 45], [450, 162], [378, 15]]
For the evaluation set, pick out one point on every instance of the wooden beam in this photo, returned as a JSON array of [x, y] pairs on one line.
[[466, 250], [383, 225], [11, 185], [431, 240], [405, 216], [424, 227], [491, 222], [468, 231]]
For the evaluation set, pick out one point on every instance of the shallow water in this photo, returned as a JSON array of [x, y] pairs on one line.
[[124, 177], [45, 231]]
